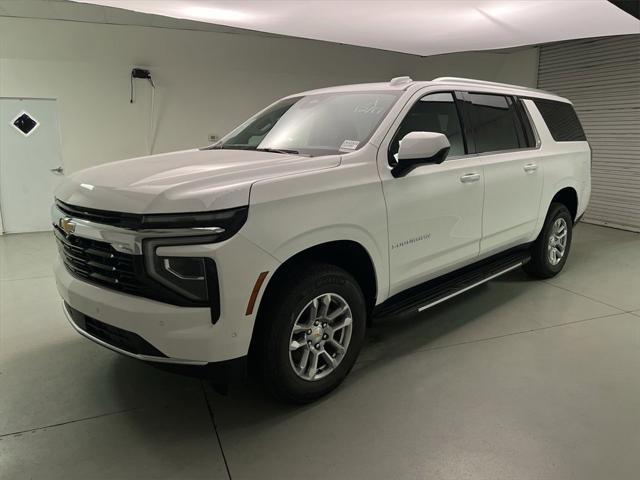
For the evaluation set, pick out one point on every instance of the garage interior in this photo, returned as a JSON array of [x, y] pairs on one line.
[[515, 379]]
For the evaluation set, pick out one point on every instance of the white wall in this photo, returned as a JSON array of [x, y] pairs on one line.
[[207, 82]]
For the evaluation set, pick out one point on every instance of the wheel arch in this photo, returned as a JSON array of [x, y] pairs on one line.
[[347, 254], [350, 255], [568, 196]]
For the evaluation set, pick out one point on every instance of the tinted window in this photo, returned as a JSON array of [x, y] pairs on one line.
[[562, 120], [433, 113], [495, 122]]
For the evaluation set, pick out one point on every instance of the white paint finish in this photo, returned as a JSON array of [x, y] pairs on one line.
[[178, 332], [435, 220], [417, 145], [421, 28], [321, 203], [565, 164], [26, 161], [220, 82], [513, 190], [187, 181], [413, 228]]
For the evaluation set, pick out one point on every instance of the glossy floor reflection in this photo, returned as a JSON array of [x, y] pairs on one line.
[[516, 379]]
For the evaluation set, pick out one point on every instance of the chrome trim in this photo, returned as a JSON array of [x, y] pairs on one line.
[[491, 277], [146, 358], [124, 240]]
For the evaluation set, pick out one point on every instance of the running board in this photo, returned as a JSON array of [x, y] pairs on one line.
[[438, 290]]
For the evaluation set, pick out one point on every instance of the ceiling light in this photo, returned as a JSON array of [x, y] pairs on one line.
[[208, 13]]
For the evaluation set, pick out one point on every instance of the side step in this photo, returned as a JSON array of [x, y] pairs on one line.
[[433, 292]]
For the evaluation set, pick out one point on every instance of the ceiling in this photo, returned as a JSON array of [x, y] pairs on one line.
[[425, 27]]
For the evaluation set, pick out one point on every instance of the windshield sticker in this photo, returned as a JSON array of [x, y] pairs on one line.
[[369, 109], [349, 145]]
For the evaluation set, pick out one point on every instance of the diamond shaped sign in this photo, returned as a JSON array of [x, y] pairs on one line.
[[25, 124]]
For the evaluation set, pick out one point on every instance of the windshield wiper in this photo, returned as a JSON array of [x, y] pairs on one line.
[[278, 150]]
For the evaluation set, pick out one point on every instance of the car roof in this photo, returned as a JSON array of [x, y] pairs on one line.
[[400, 84]]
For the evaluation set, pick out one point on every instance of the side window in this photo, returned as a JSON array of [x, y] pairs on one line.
[[436, 112], [495, 122], [562, 121]]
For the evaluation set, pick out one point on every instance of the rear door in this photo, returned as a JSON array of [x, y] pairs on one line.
[[505, 144]]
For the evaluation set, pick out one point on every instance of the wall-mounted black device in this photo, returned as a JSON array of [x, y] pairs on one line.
[[143, 74]]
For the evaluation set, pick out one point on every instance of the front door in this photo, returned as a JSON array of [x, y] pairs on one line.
[[30, 163], [435, 211]]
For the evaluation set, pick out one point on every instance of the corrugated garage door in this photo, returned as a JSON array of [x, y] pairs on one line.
[[602, 78]]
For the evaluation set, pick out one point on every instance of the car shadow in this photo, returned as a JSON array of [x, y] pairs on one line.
[[387, 340]]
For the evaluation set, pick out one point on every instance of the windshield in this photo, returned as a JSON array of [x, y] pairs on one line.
[[320, 124]]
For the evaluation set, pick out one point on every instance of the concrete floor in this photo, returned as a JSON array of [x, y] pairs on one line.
[[516, 379]]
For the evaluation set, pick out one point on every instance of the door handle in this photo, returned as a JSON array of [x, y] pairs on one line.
[[470, 177], [530, 167], [58, 171]]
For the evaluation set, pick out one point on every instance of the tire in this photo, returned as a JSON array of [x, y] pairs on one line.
[[544, 262], [292, 304]]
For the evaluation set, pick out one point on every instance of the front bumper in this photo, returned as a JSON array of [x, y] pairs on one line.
[[184, 335], [119, 340]]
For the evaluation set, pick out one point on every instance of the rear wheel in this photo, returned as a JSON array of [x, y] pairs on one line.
[[551, 248], [312, 329]]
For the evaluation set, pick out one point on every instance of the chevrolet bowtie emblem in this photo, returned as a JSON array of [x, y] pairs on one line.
[[67, 225]]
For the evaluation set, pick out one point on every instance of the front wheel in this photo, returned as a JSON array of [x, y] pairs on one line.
[[311, 331], [550, 250]]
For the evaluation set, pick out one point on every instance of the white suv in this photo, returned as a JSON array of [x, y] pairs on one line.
[[279, 243]]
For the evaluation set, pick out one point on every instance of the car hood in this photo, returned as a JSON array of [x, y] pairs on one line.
[[186, 181]]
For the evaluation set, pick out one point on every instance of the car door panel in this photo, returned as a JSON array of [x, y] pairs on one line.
[[506, 147], [434, 219], [513, 190], [434, 213]]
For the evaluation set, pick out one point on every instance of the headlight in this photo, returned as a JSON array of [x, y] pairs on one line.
[[187, 276]]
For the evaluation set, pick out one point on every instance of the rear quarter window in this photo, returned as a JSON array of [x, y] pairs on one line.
[[562, 121]]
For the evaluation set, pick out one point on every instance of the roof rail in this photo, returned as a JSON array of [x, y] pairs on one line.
[[485, 82]]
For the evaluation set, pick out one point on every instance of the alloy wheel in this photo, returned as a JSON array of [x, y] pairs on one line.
[[320, 336], [557, 241]]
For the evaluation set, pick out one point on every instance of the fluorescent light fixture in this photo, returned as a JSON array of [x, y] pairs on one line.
[[215, 14]]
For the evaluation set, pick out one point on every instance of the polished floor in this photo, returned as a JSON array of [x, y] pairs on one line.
[[517, 379]]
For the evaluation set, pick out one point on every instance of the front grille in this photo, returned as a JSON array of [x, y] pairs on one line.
[[114, 336], [98, 262]]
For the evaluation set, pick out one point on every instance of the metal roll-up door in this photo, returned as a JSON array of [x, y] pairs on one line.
[[602, 78]]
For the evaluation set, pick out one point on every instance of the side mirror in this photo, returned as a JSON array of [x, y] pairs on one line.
[[419, 148]]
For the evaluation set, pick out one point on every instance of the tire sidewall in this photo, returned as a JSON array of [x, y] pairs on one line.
[[287, 311], [556, 211]]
